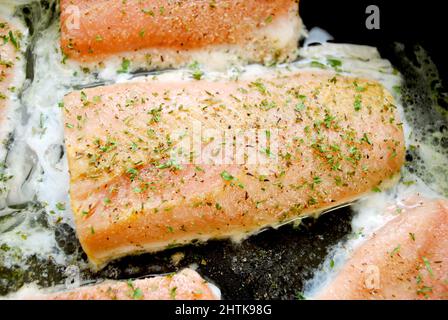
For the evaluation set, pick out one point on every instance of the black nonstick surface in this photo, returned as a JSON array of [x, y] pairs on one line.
[[276, 263]]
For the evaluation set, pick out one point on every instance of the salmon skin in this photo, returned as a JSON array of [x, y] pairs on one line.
[[328, 140], [406, 259], [185, 285], [163, 33]]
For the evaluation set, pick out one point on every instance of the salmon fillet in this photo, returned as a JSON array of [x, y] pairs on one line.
[[136, 187], [171, 33], [9, 50], [406, 259], [185, 285], [10, 54]]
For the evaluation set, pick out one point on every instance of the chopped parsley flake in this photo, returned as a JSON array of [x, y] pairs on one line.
[[334, 63], [136, 293], [317, 64], [300, 296], [227, 176], [132, 173], [366, 139], [60, 206], [170, 164], [395, 251], [358, 103], [300, 107], [14, 40], [125, 64], [266, 105], [428, 266], [259, 86], [173, 293], [397, 89], [196, 71]]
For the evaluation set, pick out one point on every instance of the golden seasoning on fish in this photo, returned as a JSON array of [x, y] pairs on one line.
[[185, 285], [137, 187], [406, 259], [172, 33]]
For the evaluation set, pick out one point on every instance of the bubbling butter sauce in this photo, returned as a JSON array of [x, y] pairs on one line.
[[36, 199]]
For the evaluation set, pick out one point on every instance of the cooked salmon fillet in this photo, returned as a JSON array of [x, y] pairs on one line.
[[329, 140], [185, 285], [10, 54], [9, 51], [172, 33], [406, 259]]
